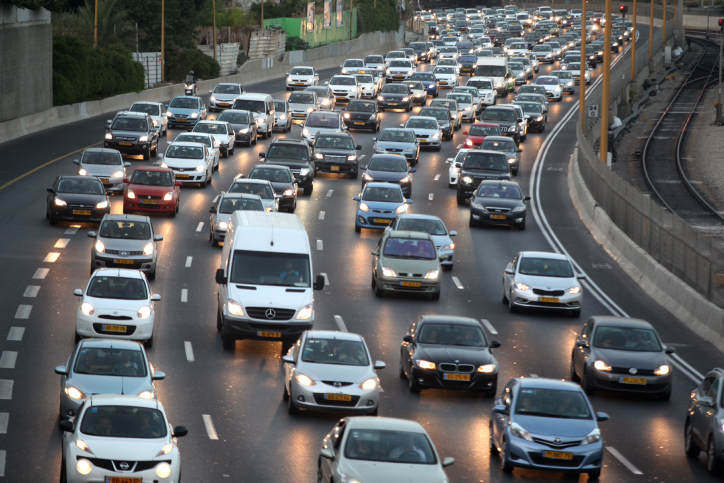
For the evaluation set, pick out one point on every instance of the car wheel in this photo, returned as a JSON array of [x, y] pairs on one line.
[[491, 391], [413, 385], [308, 189], [586, 384], [438, 148], [52, 221], [378, 291], [354, 174], [504, 465], [402, 369], [573, 374], [218, 321], [374, 412], [291, 408], [77, 337], [690, 447], [148, 343], [713, 462], [147, 155], [227, 342], [151, 275], [230, 152], [285, 395], [154, 151], [514, 171], [460, 199], [575, 313], [511, 307], [214, 242], [435, 296], [63, 476], [358, 229], [594, 475], [491, 442]]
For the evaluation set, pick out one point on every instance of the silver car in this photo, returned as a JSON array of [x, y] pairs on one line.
[[301, 104], [224, 206], [322, 121], [282, 116], [105, 366], [223, 133], [259, 187], [223, 96], [435, 228], [427, 131], [106, 165], [398, 141], [506, 145], [157, 111], [325, 99], [316, 365]]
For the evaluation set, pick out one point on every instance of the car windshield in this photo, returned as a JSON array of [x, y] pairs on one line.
[[301, 71], [129, 124], [264, 191], [97, 157], [519, 46], [389, 447], [438, 114], [194, 138], [449, 105], [416, 86], [90, 186], [516, 66], [279, 106], [249, 105], [547, 81], [626, 339], [417, 123], [270, 268], [210, 127], [237, 117], [123, 422], [387, 163], [320, 91], [301, 98], [562, 74], [186, 152], [335, 351], [110, 362], [400, 63], [490, 70], [574, 67], [530, 107], [230, 205], [532, 90], [499, 191], [416, 249], [397, 137], [468, 59], [127, 230], [361, 107], [507, 115], [317, 119], [545, 267], [502, 146], [336, 142], [543, 48], [486, 161], [342, 81], [152, 178], [425, 225], [480, 84], [444, 70], [552, 403], [396, 55], [381, 194], [395, 89], [227, 89], [117, 287], [423, 77], [374, 59], [484, 131], [354, 63], [452, 334], [365, 79], [184, 103], [150, 109], [271, 174], [461, 98]]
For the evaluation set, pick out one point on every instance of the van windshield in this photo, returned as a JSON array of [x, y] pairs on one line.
[[490, 70], [267, 268]]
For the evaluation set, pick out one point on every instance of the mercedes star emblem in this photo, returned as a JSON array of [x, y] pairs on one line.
[[125, 254], [633, 370], [270, 313]]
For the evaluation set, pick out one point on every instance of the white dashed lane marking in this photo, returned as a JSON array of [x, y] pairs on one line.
[[431, 196], [4, 420], [326, 279], [320, 245], [16, 333], [189, 351], [329, 193], [200, 226], [32, 291], [321, 215], [188, 261], [2, 462], [623, 460], [62, 243], [41, 273], [489, 326], [7, 360], [51, 257], [210, 430], [184, 295], [23, 311], [437, 177], [72, 230], [6, 388], [459, 146], [457, 283], [340, 323], [361, 157]]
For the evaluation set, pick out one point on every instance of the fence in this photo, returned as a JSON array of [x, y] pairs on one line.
[[226, 55], [151, 64]]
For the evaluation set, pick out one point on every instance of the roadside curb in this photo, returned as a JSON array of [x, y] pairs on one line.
[[703, 317]]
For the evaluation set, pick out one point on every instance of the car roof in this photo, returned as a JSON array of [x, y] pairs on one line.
[[210, 121], [120, 272], [123, 400], [413, 235], [389, 424], [77, 177], [611, 321], [450, 319], [427, 118], [154, 168], [382, 184], [132, 114], [550, 255], [332, 334], [100, 150], [240, 195], [419, 217], [250, 180], [187, 144], [486, 124], [119, 217], [111, 344], [545, 383], [500, 182], [289, 141], [499, 138], [398, 129], [146, 102], [271, 165]]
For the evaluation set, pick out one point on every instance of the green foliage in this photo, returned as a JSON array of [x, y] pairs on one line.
[[82, 73], [384, 18], [52, 5], [181, 19], [295, 43], [180, 61], [226, 16], [289, 8], [113, 24]]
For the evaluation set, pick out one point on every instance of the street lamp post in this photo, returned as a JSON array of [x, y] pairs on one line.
[[163, 38], [582, 76], [651, 31], [606, 83], [213, 6], [633, 44], [95, 28], [663, 37]]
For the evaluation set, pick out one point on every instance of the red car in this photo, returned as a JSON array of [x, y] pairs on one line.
[[152, 189], [477, 134]]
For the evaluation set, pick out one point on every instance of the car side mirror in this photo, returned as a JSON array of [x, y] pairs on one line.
[[356, 198], [408, 202], [126, 180], [289, 359], [402, 125], [670, 350], [262, 155], [358, 147], [212, 209], [527, 198], [159, 155], [602, 417], [326, 453], [581, 276], [448, 462], [319, 283], [380, 365], [156, 297], [78, 292], [61, 371], [49, 190], [510, 271], [220, 277], [494, 344], [157, 237], [158, 376], [465, 132], [92, 234], [581, 343], [286, 73], [326, 83], [501, 409], [126, 164], [178, 183], [412, 170], [408, 339], [180, 431], [375, 253], [66, 426], [76, 161]]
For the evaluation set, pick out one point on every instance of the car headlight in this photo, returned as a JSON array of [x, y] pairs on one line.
[[369, 384], [83, 466], [304, 380], [217, 143], [167, 197], [449, 246], [592, 437], [163, 470], [389, 72], [409, 150], [662, 370], [388, 272], [212, 98], [74, 393], [557, 89], [165, 449], [234, 308], [305, 313], [599, 365], [102, 205], [147, 395], [539, 118], [82, 172], [109, 136], [289, 192], [364, 207], [100, 247], [148, 249], [83, 446], [405, 99], [351, 157], [222, 225], [409, 72], [487, 368], [467, 180], [454, 116], [521, 286], [244, 131], [282, 117], [367, 177], [405, 180], [304, 171], [310, 109], [467, 108], [305, 132], [373, 117], [318, 156], [289, 79], [401, 209], [200, 167], [511, 160], [432, 275], [118, 174], [194, 115], [144, 312], [615, 44], [130, 194], [59, 202], [169, 114], [425, 364], [518, 209], [574, 290], [87, 308], [435, 136], [344, 71], [518, 431], [499, 84]]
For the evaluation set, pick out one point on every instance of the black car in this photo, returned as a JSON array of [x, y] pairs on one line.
[[468, 64], [515, 30], [389, 168], [498, 203], [444, 119], [282, 179], [335, 152], [506, 117], [296, 155], [395, 96], [133, 133], [362, 114], [420, 48], [534, 115], [243, 124], [477, 166], [448, 352], [77, 198], [596, 49]]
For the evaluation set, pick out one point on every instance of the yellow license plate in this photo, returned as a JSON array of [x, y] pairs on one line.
[[125, 143], [456, 377], [410, 284], [443, 82], [272, 335], [558, 455], [82, 212], [337, 397], [122, 479], [392, 103], [105, 180], [422, 140], [383, 220], [182, 176], [553, 300], [114, 328], [341, 98], [149, 202], [300, 83], [298, 114], [633, 380], [498, 217], [399, 76], [334, 168], [359, 123], [181, 120], [122, 261], [224, 104]]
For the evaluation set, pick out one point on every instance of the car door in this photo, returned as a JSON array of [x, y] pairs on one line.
[[334, 439], [294, 351], [508, 277], [231, 134], [500, 421], [408, 348], [709, 413], [581, 353], [697, 414]]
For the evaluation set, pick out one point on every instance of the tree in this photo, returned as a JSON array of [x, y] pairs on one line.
[[113, 24], [52, 5], [181, 20], [226, 16]]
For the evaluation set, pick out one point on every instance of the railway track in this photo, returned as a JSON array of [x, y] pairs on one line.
[[663, 169]]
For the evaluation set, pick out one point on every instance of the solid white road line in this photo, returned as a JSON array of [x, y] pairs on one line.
[[430, 196], [459, 146], [72, 230], [683, 370], [189, 351], [623, 460], [184, 295], [6, 388], [200, 226], [51, 257], [2, 462], [329, 193], [189, 260], [326, 279], [16, 333], [210, 430], [457, 283], [320, 245], [7, 360], [41, 273], [23, 311], [437, 177], [340, 323], [4, 420], [62, 243], [685, 364], [489, 326], [32, 291], [321, 215], [361, 157]]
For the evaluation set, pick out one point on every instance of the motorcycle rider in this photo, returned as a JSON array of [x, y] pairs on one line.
[[191, 78]]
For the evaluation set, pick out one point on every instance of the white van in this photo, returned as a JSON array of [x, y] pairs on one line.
[[497, 69], [265, 279], [262, 107]]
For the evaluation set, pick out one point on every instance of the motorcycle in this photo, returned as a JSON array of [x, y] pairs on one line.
[[190, 89]]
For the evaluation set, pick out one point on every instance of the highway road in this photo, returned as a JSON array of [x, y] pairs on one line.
[[231, 401]]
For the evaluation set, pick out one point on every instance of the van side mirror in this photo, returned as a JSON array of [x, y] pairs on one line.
[[220, 277], [319, 283], [91, 234]]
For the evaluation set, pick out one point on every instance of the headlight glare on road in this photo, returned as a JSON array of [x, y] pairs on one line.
[[100, 247], [83, 466], [163, 470], [425, 364], [59, 202], [305, 313], [518, 431], [303, 379], [148, 249], [102, 205], [74, 393], [662, 370], [574, 290], [168, 196], [234, 308], [432, 275], [388, 272], [599, 365], [369, 384], [487, 368], [521, 286], [144, 312], [592, 437]]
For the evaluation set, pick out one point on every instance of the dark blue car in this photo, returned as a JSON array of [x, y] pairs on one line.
[[430, 82]]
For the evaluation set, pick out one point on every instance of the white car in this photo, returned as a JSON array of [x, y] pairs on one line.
[[344, 87], [542, 280], [552, 85], [301, 104], [399, 70], [394, 54], [380, 450], [446, 76], [448, 62], [115, 436], [448, 52], [427, 131], [486, 90], [477, 100], [410, 54], [105, 164], [157, 111], [466, 103], [225, 204], [455, 165], [418, 92], [376, 62], [367, 86], [352, 66], [222, 132], [223, 96], [116, 303], [203, 138], [331, 371], [435, 227], [183, 158], [301, 77], [516, 48], [575, 69], [259, 187]]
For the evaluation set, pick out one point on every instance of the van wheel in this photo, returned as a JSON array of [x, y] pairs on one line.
[[218, 321], [149, 343], [227, 342]]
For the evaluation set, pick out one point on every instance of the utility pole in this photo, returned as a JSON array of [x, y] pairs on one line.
[[651, 31], [718, 102], [350, 19], [163, 38], [663, 37], [582, 77], [95, 29], [633, 45], [213, 6], [262, 14], [606, 83]]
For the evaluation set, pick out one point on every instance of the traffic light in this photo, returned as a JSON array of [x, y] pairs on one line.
[[623, 9], [721, 24]]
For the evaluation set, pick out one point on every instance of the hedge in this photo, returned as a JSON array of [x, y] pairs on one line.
[[384, 18], [82, 73], [180, 61]]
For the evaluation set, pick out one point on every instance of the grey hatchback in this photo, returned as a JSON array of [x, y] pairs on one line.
[[133, 133], [398, 141], [703, 428]]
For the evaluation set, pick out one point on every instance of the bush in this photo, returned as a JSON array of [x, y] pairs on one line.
[[384, 19], [295, 43], [180, 61], [81, 73], [289, 8]]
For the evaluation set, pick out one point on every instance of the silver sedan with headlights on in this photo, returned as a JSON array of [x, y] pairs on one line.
[[331, 371], [542, 280], [427, 131], [224, 206], [105, 366], [222, 132], [105, 164]]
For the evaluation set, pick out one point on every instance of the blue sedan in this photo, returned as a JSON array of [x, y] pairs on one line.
[[430, 82], [378, 204], [546, 424], [186, 111]]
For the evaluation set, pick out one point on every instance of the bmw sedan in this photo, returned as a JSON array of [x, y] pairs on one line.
[[76, 198], [498, 203], [378, 204]]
